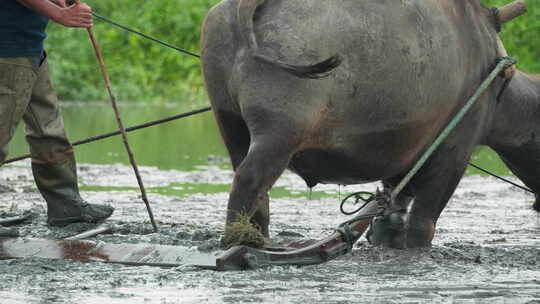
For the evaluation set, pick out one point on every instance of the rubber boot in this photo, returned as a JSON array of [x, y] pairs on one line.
[[57, 183], [8, 232]]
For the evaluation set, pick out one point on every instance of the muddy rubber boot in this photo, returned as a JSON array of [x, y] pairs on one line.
[[58, 184], [8, 232]]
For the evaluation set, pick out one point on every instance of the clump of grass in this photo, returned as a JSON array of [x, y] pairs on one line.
[[243, 232]]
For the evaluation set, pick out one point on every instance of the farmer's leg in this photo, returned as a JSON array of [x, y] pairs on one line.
[[16, 81], [53, 162]]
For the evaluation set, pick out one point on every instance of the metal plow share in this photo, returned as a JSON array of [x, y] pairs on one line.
[[237, 258]]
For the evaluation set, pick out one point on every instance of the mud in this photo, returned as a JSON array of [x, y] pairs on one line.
[[486, 250]]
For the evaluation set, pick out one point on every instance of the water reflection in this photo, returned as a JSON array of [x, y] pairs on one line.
[[181, 145]]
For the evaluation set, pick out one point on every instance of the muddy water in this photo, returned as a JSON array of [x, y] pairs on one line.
[[182, 144], [487, 247]]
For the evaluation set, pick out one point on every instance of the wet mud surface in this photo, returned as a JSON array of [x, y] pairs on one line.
[[486, 250]]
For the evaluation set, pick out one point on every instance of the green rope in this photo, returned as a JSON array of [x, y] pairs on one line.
[[502, 64], [345, 228]]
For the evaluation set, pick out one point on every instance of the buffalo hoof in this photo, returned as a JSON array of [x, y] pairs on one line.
[[389, 230], [400, 230], [420, 233]]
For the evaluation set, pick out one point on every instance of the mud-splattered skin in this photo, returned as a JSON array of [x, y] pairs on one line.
[[407, 67]]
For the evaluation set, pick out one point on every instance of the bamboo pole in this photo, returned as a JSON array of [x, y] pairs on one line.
[[115, 133], [114, 105]]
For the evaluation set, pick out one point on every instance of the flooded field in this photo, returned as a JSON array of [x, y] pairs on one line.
[[486, 250], [487, 247]]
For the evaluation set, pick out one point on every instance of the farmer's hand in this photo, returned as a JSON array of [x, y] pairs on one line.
[[61, 3], [76, 15]]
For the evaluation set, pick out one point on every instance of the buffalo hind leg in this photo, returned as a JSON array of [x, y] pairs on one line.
[[236, 137], [429, 190], [262, 166], [524, 162]]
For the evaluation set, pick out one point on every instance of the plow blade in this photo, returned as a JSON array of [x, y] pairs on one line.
[[237, 258], [88, 251], [310, 253], [243, 257]]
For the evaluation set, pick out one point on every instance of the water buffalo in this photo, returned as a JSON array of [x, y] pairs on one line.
[[348, 92]]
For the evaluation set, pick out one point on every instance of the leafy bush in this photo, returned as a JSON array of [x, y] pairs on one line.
[[144, 71], [140, 69]]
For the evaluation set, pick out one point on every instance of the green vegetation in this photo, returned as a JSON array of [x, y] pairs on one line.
[[140, 69], [242, 232], [522, 36], [145, 71]]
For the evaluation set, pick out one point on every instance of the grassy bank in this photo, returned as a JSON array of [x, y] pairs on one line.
[[145, 71]]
